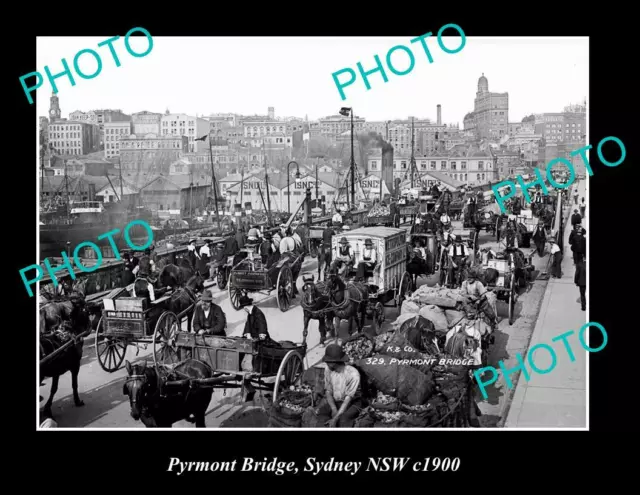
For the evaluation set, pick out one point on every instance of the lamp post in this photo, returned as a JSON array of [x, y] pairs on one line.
[[289, 183], [346, 111]]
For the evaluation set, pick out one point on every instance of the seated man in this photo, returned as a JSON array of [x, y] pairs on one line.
[[457, 253], [209, 319], [342, 402], [344, 260], [475, 290], [368, 261]]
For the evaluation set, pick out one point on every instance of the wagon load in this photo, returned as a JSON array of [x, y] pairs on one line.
[[357, 347], [405, 383], [291, 405], [379, 211]]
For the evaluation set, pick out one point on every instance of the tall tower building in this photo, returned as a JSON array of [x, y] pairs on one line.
[[272, 113], [54, 108]]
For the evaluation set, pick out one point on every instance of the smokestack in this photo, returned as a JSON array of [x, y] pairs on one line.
[[439, 114]]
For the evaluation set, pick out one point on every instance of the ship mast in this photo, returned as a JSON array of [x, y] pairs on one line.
[[412, 165]]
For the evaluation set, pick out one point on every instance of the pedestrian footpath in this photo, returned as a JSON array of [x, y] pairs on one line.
[[556, 399]]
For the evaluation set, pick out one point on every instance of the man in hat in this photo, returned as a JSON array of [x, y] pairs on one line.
[[368, 260], [344, 259], [583, 207], [556, 258], [578, 242], [192, 253], [288, 243], [253, 236], [239, 235], [457, 253], [343, 395], [580, 280], [576, 218], [475, 290], [511, 231], [539, 237], [209, 319], [268, 251]]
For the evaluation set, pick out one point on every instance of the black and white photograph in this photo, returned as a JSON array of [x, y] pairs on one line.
[[312, 232]]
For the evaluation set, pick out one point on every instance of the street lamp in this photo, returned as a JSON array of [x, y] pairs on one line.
[[289, 182], [346, 111]]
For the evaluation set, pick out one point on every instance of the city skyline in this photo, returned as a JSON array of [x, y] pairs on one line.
[[451, 80]]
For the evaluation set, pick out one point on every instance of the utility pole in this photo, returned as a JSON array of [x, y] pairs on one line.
[[412, 166], [266, 182], [353, 167], [214, 185]]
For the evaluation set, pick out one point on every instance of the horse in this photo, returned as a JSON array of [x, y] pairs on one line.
[[57, 311], [349, 301], [158, 406], [68, 359], [316, 306], [186, 296], [172, 276]]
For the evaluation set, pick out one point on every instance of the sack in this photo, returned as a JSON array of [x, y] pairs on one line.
[[401, 319], [409, 307], [436, 300], [310, 419], [437, 316], [454, 317], [314, 378], [289, 409], [358, 346], [404, 382], [381, 340], [402, 350]]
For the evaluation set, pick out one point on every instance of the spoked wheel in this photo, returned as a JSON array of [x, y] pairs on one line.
[[221, 277], [512, 298], [109, 350], [164, 339], [378, 317], [234, 296], [403, 289], [284, 288], [289, 373]]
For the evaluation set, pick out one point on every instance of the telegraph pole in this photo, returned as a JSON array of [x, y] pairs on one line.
[[214, 185]]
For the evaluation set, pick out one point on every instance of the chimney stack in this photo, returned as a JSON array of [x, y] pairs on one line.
[[439, 114]]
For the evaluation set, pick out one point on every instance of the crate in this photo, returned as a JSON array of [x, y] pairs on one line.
[[186, 339], [129, 324], [246, 279], [501, 266]]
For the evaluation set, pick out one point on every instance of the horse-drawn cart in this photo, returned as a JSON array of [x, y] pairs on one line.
[[251, 275], [128, 320], [512, 275], [389, 279], [266, 365]]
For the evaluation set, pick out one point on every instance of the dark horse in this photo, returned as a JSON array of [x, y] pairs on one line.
[[182, 298], [68, 359], [176, 275], [158, 405], [316, 306], [349, 302]]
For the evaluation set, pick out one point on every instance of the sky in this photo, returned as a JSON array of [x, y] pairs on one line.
[[245, 75]]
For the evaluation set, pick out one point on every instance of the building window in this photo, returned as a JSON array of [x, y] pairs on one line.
[[374, 165], [478, 177], [433, 165], [443, 165], [480, 165], [453, 165], [423, 165], [403, 165]]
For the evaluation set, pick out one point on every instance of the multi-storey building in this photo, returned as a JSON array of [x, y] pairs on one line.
[[222, 120], [334, 125], [68, 137], [463, 163], [146, 123], [99, 117], [264, 127], [490, 116], [151, 154], [562, 127], [113, 131], [178, 124]]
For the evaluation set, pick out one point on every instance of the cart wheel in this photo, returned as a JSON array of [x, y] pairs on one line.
[[164, 339], [284, 288], [221, 278], [234, 296], [109, 350], [403, 289], [512, 298], [396, 221], [378, 317], [289, 373], [313, 250]]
